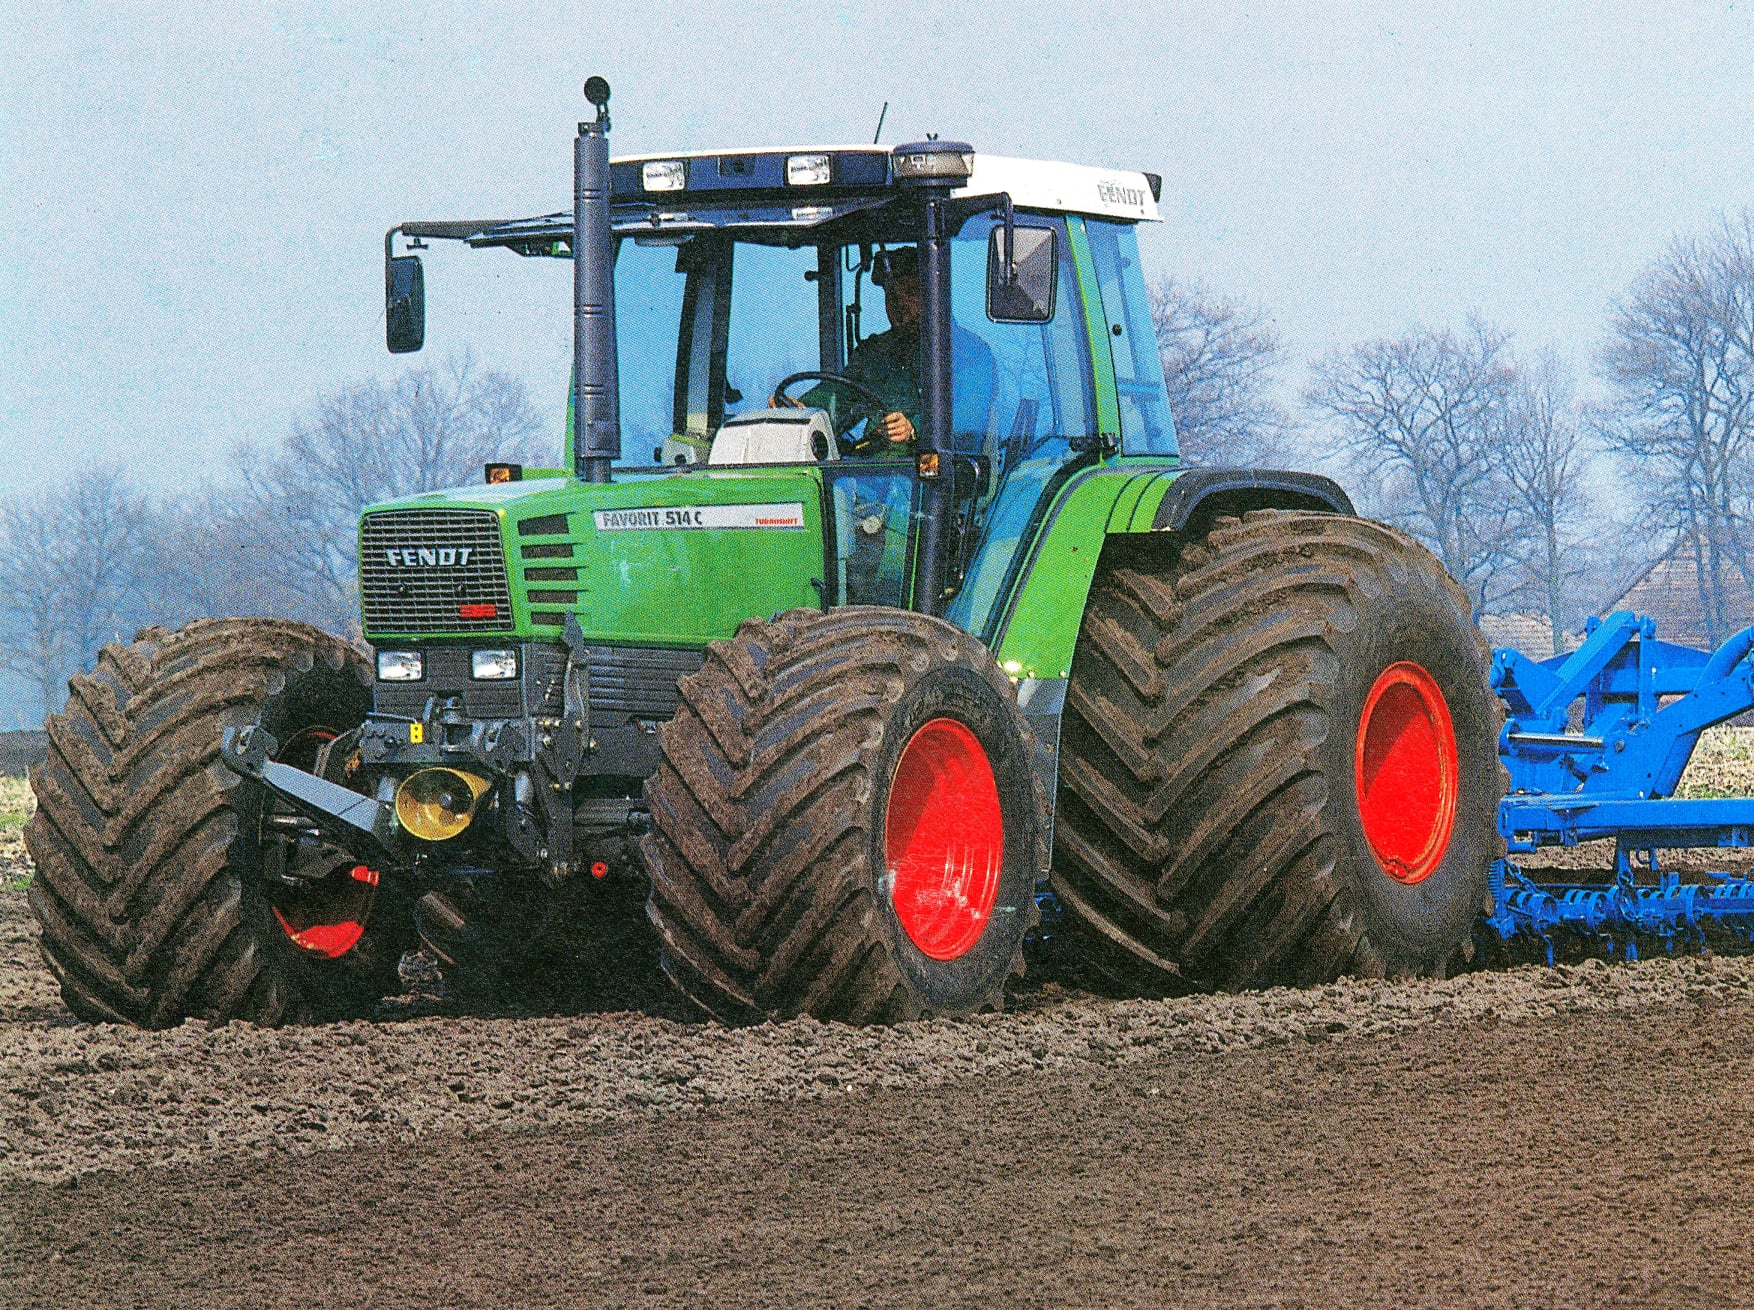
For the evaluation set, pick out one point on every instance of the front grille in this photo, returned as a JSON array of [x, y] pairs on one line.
[[410, 580]]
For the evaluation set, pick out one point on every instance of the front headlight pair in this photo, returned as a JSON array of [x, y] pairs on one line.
[[496, 665]]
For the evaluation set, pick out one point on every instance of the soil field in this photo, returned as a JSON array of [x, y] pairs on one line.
[[1529, 1137], [1535, 1137]]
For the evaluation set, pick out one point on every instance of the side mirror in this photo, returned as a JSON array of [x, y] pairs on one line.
[[1022, 274], [404, 304]]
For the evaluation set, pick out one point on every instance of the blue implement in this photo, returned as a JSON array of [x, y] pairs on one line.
[[1595, 743]]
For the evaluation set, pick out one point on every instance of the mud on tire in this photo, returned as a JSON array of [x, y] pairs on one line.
[[783, 878], [149, 884], [1210, 829]]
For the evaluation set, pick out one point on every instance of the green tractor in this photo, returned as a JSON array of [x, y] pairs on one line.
[[869, 608]]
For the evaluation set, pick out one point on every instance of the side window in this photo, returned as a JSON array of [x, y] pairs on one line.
[[1022, 392], [1146, 428], [648, 308], [773, 322]]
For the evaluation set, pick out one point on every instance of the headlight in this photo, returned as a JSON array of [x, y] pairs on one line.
[[807, 170], [933, 161], [400, 666], [494, 664], [664, 175]]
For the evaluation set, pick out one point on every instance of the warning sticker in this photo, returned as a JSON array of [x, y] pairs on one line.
[[677, 518]]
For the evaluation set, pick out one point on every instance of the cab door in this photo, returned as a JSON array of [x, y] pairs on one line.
[[1023, 404]]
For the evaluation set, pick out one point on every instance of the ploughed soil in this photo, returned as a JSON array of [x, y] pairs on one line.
[[1533, 1137]]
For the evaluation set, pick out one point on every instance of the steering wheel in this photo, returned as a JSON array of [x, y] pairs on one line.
[[871, 407]]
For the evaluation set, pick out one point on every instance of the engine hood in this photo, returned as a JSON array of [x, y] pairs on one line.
[[655, 559]]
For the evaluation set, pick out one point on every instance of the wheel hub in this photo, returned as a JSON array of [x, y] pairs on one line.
[[944, 839], [1405, 769]]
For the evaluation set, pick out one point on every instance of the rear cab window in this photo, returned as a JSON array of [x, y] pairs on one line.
[[1146, 427]]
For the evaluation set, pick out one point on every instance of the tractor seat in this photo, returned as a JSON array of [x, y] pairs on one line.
[[774, 436]]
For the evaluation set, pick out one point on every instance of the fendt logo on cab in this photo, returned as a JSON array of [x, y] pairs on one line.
[[1115, 194], [429, 557]]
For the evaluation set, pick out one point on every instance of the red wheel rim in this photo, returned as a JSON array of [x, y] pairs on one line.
[[332, 927], [944, 839], [1405, 770], [329, 921]]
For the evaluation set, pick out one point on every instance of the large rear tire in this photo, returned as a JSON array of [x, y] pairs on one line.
[[153, 881], [845, 822], [1278, 762]]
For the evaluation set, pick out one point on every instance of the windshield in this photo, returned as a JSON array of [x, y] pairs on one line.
[[707, 328]]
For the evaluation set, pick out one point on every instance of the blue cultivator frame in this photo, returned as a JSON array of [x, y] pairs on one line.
[[1645, 703]]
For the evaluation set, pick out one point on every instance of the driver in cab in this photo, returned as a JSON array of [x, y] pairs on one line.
[[887, 363]]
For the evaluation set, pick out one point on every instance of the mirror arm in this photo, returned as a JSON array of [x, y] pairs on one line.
[[389, 254], [1010, 241]]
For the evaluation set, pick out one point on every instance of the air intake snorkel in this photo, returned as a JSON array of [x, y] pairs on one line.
[[596, 398]]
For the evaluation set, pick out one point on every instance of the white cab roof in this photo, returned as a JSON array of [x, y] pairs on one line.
[[1073, 188], [1031, 183]]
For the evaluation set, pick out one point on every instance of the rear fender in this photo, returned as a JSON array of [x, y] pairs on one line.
[[1124, 502], [1121, 511], [1190, 503]]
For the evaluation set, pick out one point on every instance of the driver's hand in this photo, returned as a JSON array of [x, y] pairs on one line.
[[898, 428], [777, 401]]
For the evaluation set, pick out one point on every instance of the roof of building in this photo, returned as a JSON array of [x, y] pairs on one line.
[[1668, 591], [1529, 633]]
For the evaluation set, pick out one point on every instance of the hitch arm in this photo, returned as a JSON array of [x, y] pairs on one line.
[[356, 823]]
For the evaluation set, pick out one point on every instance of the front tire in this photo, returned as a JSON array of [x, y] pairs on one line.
[[154, 868], [845, 822], [1278, 760]]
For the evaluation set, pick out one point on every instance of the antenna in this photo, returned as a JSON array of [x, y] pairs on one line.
[[878, 134]]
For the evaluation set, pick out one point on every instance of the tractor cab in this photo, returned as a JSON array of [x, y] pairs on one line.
[[823, 308]]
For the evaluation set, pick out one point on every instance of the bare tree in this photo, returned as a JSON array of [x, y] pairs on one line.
[[1422, 418], [72, 560], [1681, 363], [1544, 459], [1219, 358], [210, 554], [33, 641], [292, 526]]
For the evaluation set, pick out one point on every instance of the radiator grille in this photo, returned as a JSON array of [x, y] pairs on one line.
[[405, 585]]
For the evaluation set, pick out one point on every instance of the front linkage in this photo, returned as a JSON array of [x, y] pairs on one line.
[[444, 793]]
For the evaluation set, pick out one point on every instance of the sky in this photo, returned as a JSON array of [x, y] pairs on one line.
[[194, 195]]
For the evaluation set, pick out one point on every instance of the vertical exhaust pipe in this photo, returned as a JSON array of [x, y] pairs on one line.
[[596, 396]]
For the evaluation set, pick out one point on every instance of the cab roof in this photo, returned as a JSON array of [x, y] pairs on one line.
[[776, 194], [1032, 183]]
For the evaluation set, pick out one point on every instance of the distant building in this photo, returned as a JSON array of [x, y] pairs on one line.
[[1529, 633], [1668, 590]]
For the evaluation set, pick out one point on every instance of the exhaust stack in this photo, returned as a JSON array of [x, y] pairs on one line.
[[596, 398]]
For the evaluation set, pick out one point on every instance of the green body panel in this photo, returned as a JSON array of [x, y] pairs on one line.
[[1141, 512], [1119, 495], [660, 583]]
